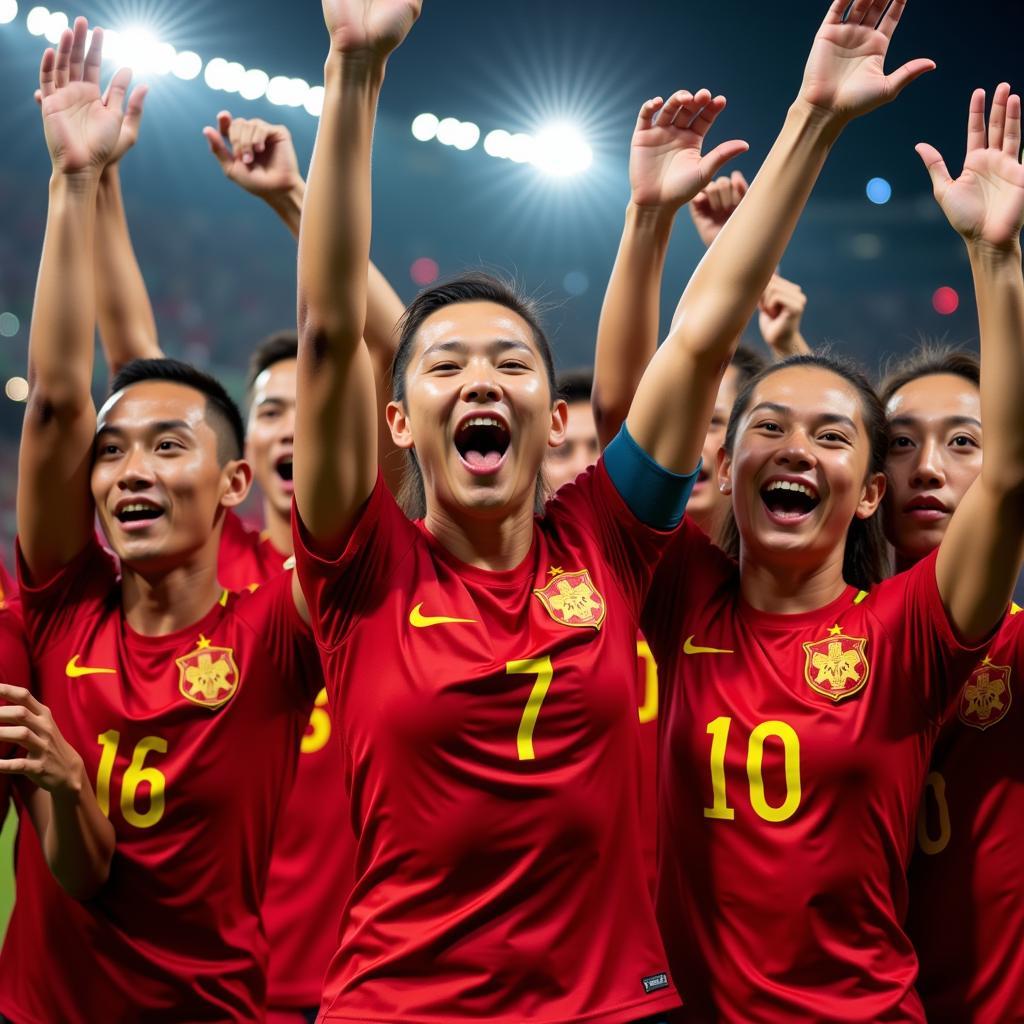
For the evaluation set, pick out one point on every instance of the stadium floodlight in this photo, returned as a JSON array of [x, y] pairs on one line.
[[234, 74], [278, 90], [448, 131], [467, 136], [520, 148], [214, 74], [56, 23], [561, 151], [36, 20], [254, 84], [8, 11], [296, 93], [314, 101], [187, 65], [424, 127], [498, 144]]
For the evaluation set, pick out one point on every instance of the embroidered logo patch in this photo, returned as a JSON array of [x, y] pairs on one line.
[[571, 599], [837, 665], [208, 675], [653, 982], [987, 696]]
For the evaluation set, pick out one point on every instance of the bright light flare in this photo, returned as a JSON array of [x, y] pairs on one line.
[[56, 23], [214, 73], [561, 151], [187, 65], [467, 136], [8, 11], [36, 20], [424, 127], [314, 101], [254, 84], [16, 389]]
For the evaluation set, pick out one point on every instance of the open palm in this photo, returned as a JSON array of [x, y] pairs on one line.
[[370, 26], [845, 72], [666, 165], [82, 126], [986, 203]]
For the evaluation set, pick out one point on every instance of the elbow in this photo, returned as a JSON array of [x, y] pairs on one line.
[[322, 338], [62, 400], [610, 413]]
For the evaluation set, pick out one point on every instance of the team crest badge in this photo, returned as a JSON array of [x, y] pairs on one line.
[[208, 675], [837, 665], [571, 599], [986, 697]]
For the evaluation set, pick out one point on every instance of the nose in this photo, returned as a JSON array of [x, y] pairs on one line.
[[797, 452], [136, 471], [928, 469], [482, 388]]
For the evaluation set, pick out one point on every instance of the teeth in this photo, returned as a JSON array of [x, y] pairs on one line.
[[140, 508], [484, 421], [786, 485]]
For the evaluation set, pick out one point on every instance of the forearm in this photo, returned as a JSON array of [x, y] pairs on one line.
[[288, 206], [999, 287], [627, 333], [334, 240], [78, 840], [724, 290], [123, 310]]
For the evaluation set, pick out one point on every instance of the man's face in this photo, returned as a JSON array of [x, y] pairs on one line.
[[577, 452], [270, 433]]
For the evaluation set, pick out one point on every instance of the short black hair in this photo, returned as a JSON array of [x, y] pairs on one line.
[[930, 358], [576, 385], [748, 364], [220, 407], [275, 348]]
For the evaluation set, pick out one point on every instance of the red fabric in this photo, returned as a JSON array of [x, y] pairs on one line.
[[176, 932], [967, 892], [647, 712], [798, 918], [312, 869], [491, 886]]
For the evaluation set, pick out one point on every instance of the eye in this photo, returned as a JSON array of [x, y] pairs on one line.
[[512, 364], [900, 444], [269, 414], [964, 441], [834, 437], [769, 425], [447, 366], [108, 449], [167, 445]]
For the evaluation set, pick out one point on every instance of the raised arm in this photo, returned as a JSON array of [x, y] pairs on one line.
[[55, 509], [843, 79], [980, 555], [666, 170], [337, 416]]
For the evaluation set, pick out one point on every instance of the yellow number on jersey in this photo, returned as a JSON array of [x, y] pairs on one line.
[[135, 775], [936, 785], [543, 670], [319, 730], [720, 809], [649, 708]]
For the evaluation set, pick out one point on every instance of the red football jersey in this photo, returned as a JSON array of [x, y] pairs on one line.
[[246, 557], [967, 876], [312, 869], [191, 741], [491, 723], [8, 589], [793, 753], [647, 711]]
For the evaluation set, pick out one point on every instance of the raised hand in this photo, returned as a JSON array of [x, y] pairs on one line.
[[711, 208], [372, 27], [82, 126], [986, 203], [779, 314], [257, 155], [845, 74], [666, 166], [131, 124], [49, 761]]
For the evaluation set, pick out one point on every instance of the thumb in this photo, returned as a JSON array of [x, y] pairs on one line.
[[117, 89], [934, 165], [720, 155], [38, 97], [218, 147], [902, 77], [133, 113]]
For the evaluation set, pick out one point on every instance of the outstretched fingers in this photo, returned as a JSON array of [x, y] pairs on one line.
[[648, 113], [117, 89], [1011, 138], [77, 65], [94, 58], [910, 72], [673, 105], [62, 68], [997, 116], [891, 18], [935, 166], [705, 116], [977, 137], [218, 147], [47, 74]]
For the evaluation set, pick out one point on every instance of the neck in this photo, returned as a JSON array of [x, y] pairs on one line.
[[788, 589], [903, 561], [157, 603], [279, 528], [494, 543]]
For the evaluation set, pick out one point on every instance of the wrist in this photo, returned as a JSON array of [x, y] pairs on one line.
[[983, 253], [354, 67], [69, 791], [651, 219], [82, 185], [816, 121]]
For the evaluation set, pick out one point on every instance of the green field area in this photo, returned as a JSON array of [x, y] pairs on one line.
[[7, 869]]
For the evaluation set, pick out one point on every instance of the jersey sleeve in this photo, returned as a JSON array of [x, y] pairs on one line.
[[51, 610], [631, 549], [691, 569], [343, 585], [270, 611], [937, 661]]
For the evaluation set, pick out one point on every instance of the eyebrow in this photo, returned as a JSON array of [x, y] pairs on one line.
[[785, 410], [499, 344], [153, 428], [949, 421]]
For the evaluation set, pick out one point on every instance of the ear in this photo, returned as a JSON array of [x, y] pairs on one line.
[[236, 478], [724, 462], [559, 422], [871, 496], [399, 425]]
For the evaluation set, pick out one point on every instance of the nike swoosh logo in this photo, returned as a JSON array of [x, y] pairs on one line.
[[689, 647], [420, 621], [74, 670]]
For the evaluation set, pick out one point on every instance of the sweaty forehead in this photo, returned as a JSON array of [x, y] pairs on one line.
[[152, 401], [810, 392], [938, 395], [474, 323], [276, 381]]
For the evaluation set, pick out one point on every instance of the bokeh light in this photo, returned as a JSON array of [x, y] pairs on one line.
[[8, 11], [16, 389], [946, 301], [424, 127], [187, 65], [424, 271], [879, 191], [576, 282], [37, 20], [9, 325], [561, 151]]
